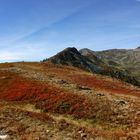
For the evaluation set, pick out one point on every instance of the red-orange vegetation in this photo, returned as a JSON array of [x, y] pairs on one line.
[[48, 98], [104, 84]]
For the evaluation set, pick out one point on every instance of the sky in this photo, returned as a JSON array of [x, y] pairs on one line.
[[31, 30]]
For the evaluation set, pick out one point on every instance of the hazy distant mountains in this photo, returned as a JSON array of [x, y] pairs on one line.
[[95, 62]]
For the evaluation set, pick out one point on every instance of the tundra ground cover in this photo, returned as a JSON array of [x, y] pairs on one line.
[[111, 115]]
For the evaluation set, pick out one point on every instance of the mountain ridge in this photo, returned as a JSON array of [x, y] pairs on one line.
[[128, 59], [91, 63]]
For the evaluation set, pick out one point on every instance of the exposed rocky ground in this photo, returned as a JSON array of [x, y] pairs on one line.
[[42, 101]]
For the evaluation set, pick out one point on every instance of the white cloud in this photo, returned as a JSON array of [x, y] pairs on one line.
[[25, 52], [8, 56], [31, 51]]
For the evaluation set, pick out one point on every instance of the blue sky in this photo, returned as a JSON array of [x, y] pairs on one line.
[[32, 30]]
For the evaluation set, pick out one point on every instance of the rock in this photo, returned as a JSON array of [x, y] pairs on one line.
[[83, 135], [62, 82], [83, 88], [120, 102], [3, 137], [138, 113], [100, 94]]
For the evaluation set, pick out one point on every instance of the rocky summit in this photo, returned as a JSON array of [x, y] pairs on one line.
[[72, 57]]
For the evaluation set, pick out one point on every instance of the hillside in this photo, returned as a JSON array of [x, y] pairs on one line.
[[47, 101], [128, 59], [71, 57], [90, 62]]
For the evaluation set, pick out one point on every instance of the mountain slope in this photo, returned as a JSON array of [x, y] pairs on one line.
[[55, 102], [72, 57], [92, 55], [128, 59]]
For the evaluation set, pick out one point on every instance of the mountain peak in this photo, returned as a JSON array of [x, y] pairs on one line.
[[91, 55], [71, 49], [138, 48], [69, 56], [86, 51], [72, 57]]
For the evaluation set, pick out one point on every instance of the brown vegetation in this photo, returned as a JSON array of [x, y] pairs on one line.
[[103, 113]]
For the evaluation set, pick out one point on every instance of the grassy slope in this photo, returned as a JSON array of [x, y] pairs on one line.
[[98, 102]]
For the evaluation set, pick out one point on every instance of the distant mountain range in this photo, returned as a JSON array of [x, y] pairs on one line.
[[111, 62], [120, 58]]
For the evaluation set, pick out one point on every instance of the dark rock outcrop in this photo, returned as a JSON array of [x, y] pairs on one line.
[[71, 57]]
